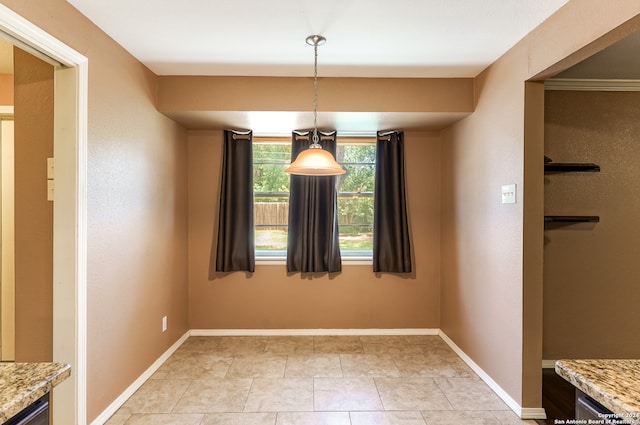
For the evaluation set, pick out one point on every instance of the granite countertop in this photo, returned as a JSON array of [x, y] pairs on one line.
[[613, 383], [23, 383]]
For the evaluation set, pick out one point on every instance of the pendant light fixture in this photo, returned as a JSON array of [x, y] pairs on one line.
[[315, 161]]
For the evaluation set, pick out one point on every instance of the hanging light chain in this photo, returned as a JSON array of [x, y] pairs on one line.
[[316, 161], [315, 138]]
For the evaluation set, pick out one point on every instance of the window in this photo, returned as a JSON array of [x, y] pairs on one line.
[[355, 195], [270, 196]]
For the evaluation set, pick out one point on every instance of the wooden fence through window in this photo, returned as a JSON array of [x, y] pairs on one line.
[[271, 215]]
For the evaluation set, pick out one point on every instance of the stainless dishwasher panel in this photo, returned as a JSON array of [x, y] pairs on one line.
[[36, 414], [587, 408]]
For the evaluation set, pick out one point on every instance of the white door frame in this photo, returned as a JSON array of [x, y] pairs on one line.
[[70, 211], [7, 281]]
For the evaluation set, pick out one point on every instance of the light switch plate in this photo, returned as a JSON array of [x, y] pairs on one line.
[[509, 194], [50, 168], [50, 190]]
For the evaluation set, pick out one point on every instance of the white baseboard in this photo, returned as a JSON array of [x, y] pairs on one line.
[[118, 402], [523, 413], [532, 413], [312, 332]]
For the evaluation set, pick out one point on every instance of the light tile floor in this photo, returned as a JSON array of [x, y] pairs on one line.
[[307, 380]]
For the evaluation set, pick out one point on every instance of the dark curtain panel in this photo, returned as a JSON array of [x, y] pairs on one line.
[[313, 245], [235, 247], [391, 245]]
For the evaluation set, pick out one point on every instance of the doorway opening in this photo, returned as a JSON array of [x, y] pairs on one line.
[[69, 228]]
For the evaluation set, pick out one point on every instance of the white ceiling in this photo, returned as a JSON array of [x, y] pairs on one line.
[[365, 38]]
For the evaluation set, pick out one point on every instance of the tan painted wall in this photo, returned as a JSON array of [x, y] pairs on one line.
[[180, 93], [33, 118], [532, 250], [356, 298], [484, 278], [591, 269], [137, 259], [214, 102], [6, 89], [137, 217]]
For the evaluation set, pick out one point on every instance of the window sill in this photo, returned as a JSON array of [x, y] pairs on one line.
[[281, 261]]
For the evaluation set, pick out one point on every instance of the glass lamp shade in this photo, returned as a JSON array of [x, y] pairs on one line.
[[315, 162]]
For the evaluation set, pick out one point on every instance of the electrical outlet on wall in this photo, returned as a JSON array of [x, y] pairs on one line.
[[164, 324]]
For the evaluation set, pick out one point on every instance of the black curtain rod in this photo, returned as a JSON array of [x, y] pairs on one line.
[[241, 134], [386, 135], [306, 138]]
